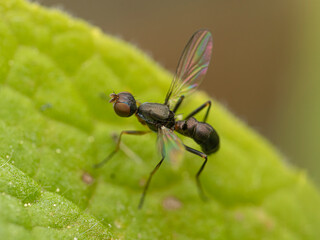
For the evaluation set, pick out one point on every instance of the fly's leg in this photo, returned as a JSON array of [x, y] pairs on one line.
[[100, 164], [178, 104], [205, 157], [148, 182], [206, 104]]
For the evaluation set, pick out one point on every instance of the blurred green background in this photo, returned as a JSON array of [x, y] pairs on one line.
[[266, 60]]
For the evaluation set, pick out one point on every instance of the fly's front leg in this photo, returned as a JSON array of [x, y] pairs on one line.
[[100, 164], [205, 157], [206, 104]]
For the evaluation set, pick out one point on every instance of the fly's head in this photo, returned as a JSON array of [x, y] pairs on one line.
[[124, 104]]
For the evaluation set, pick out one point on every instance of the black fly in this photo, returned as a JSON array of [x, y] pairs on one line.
[[160, 118]]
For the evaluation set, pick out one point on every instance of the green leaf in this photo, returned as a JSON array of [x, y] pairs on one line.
[[55, 125]]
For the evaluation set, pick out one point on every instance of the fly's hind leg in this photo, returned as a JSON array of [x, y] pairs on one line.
[[205, 157], [178, 104], [206, 104], [100, 164]]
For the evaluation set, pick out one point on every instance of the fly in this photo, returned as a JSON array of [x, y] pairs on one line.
[[161, 118]]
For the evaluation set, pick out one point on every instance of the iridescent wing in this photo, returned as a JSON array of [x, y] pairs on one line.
[[192, 66], [170, 146]]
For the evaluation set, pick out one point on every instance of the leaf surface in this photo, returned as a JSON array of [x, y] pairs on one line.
[[55, 125]]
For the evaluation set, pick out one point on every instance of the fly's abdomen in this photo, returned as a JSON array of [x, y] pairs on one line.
[[202, 133], [205, 135]]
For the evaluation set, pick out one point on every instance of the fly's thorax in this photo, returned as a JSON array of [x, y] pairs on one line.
[[156, 115], [154, 111], [186, 127]]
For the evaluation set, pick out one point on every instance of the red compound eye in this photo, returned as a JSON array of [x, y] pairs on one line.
[[124, 104], [122, 109]]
